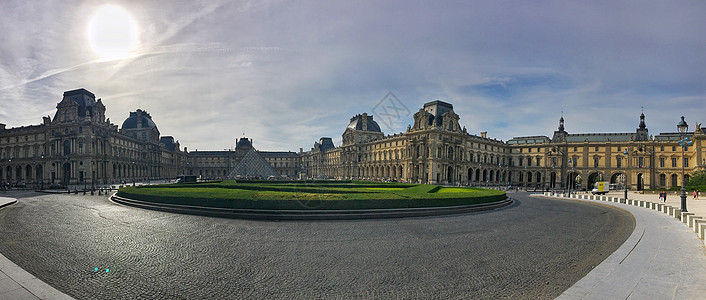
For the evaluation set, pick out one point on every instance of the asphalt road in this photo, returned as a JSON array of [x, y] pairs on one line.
[[535, 248]]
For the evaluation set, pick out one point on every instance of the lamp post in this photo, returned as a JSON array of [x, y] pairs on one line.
[[133, 173], [9, 175], [625, 177], [684, 142], [67, 174], [93, 179], [570, 175], [41, 180]]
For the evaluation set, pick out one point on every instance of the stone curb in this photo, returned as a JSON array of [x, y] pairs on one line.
[[695, 222], [357, 214], [4, 201]]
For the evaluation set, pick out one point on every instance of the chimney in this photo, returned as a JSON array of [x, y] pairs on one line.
[[483, 134], [365, 121], [2, 126], [301, 150]]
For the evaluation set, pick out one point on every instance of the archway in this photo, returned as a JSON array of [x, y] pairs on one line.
[[477, 175], [67, 174], [39, 172], [450, 174], [552, 180], [619, 180], [593, 178], [640, 182], [529, 177], [470, 174], [572, 180], [485, 175], [28, 172]]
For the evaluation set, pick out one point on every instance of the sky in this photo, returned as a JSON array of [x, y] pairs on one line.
[[286, 73]]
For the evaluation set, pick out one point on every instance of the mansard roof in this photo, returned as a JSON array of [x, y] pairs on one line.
[[600, 137], [358, 120]]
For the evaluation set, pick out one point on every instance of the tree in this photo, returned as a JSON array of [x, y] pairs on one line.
[[697, 179]]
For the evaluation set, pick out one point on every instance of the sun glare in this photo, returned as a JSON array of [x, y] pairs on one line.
[[112, 32]]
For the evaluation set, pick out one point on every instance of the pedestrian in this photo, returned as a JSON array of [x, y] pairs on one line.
[[694, 194], [660, 196], [697, 194]]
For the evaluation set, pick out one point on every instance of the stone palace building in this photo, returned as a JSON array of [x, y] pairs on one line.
[[80, 146]]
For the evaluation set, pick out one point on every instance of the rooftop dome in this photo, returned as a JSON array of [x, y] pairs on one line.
[[364, 122], [243, 143], [139, 119]]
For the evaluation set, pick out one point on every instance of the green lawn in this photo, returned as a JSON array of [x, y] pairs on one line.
[[298, 195]]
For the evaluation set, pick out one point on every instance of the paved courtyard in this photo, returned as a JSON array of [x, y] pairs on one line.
[[536, 248]]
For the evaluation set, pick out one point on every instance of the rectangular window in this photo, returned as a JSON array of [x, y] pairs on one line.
[[619, 161], [596, 148], [686, 162], [674, 148], [618, 148], [574, 149], [661, 162], [661, 148], [641, 162], [674, 162], [595, 162]]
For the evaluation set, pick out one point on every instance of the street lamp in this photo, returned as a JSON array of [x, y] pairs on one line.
[[684, 142], [133, 173], [41, 181], [570, 175], [93, 179], [625, 177], [34, 166]]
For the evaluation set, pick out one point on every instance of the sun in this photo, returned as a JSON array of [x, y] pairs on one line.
[[112, 32]]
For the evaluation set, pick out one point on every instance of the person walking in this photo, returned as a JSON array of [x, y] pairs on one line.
[[694, 194], [661, 196]]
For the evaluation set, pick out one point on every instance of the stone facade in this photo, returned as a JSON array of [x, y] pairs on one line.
[[638, 160], [437, 150], [80, 146]]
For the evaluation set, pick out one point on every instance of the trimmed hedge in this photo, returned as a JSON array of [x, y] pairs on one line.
[[412, 196], [314, 204]]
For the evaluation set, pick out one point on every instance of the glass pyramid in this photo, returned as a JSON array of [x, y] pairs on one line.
[[253, 165]]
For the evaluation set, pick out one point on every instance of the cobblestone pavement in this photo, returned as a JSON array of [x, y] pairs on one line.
[[536, 248]]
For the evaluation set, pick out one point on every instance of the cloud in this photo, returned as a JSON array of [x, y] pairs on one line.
[[287, 73]]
